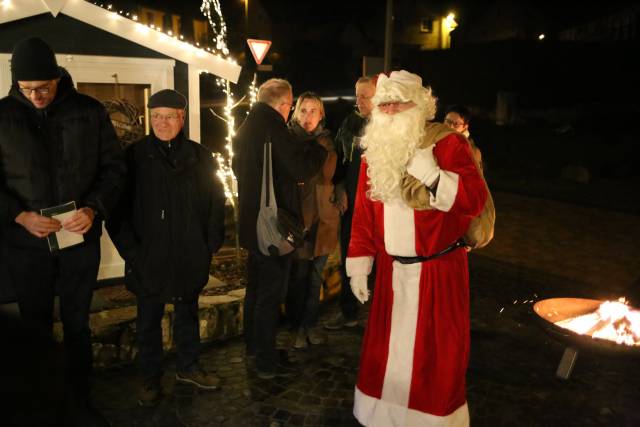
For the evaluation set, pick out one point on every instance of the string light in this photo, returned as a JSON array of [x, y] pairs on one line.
[[225, 170], [218, 26], [253, 91], [121, 13]]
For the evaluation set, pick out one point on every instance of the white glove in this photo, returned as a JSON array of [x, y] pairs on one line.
[[359, 288], [423, 166]]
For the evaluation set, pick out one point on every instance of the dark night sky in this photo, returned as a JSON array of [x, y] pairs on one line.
[[322, 42]]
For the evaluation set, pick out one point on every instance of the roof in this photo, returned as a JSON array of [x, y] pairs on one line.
[[113, 22]]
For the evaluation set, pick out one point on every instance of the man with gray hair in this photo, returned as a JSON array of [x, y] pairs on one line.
[[418, 191], [292, 162], [168, 225]]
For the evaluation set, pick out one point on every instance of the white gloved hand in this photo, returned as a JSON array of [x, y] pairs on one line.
[[359, 288], [423, 166]]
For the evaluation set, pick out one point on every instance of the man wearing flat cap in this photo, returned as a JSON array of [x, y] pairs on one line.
[[167, 227], [418, 191], [57, 147]]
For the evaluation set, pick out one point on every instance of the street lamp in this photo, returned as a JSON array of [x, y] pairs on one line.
[[246, 18]]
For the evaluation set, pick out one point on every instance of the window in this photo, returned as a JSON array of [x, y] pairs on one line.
[[426, 25], [201, 31]]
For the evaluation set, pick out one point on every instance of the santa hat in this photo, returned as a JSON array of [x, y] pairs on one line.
[[399, 86]]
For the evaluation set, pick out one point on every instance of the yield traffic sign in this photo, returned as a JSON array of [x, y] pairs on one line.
[[259, 49]]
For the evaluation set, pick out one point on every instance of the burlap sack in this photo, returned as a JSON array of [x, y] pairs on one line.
[[416, 195]]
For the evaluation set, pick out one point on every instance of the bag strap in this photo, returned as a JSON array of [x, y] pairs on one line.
[[267, 193]]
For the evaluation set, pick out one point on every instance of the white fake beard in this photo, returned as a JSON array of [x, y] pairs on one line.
[[389, 142]]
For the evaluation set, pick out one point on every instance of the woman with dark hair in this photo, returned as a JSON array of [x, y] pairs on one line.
[[321, 218]]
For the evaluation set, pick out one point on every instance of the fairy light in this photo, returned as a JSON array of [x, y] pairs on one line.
[[169, 36], [218, 25], [253, 92], [225, 170]]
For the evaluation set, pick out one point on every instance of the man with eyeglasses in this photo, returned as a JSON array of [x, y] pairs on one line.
[[457, 117], [412, 211], [346, 181], [168, 226], [293, 161], [56, 146]]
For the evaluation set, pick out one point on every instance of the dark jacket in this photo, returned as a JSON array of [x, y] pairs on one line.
[[292, 162], [321, 215], [66, 151], [349, 156], [171, 218]]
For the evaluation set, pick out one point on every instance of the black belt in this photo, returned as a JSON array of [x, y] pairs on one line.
[[416, 259]]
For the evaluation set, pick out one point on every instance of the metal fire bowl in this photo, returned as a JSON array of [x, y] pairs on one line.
[[555, 309]]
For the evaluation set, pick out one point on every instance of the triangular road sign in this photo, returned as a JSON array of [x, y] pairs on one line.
[[259, 49]]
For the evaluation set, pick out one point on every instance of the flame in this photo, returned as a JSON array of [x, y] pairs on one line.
[[613, 320]]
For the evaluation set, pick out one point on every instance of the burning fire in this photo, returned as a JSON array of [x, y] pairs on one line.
[[613, 320]]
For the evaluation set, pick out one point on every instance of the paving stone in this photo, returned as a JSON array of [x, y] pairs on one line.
[[542, 249]]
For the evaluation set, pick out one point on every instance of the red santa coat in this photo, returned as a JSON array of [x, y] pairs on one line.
[[416, 346]]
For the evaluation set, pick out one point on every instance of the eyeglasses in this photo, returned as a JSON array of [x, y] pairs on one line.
[[291, 107], [162, 117], [42, 90], [453, 123]]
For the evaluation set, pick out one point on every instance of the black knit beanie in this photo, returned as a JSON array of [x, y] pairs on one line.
[[32, 60]]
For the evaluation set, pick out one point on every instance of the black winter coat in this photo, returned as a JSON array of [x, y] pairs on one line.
[[170, 220], [349, 156], [293, 162], [65, 152]]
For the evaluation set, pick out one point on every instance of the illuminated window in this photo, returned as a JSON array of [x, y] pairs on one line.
[[426, 25], [201, 31]]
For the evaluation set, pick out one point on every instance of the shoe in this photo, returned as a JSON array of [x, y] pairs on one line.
[[339, 322], [315, 337], [285, 362], [199, 378], [150, 392], [301, 339], [278, 372]]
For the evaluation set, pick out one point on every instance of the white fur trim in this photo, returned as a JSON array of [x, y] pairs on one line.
[[373, 412], [446, 192], [359, 266], [406, 78], [405, 281], [399, 229]]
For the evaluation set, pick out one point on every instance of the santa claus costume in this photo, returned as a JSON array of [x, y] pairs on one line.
[[416, 345]]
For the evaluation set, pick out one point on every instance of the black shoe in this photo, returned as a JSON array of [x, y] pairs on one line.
[[150, 392], [339, 322], [267, 374], [284, 361]]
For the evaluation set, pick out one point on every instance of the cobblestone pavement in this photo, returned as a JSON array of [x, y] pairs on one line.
[[542, 249]]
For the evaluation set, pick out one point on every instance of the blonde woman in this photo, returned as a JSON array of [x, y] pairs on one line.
[[321, 218]]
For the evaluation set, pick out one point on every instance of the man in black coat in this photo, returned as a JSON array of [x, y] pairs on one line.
[[293, 162], [168, 226], [56, 146], [346, 181]]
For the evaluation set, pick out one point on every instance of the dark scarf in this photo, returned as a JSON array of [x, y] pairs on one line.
[[302, 134]]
